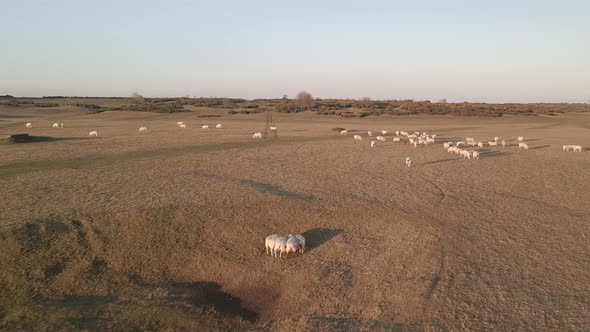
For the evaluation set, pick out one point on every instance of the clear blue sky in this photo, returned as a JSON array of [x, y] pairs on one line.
[[494, 51]]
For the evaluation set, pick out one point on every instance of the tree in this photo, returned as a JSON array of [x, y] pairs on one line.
[[304, 98]]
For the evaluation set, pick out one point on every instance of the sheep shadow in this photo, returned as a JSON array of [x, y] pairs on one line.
[[209, 295], [440, 161], [491, 154], [539, 147], [315, 237], [276, 190]]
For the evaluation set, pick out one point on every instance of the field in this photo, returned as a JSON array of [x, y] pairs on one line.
[[165, 229]]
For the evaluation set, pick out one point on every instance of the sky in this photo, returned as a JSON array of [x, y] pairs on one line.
[[478, 51]]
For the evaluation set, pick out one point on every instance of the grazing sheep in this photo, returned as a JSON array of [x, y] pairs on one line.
[[522, 145], [475, 154], [205, 127], [301, 242], [373, 144], [143, 129], [408, 161], [179, 123], [493, 143], [29, 125], [520, 138], [447, 145], [269, 243], [384, 132], [93, 133], [257, 135], [460, 143], [480, 144], [396, 139], [577, 148], [381, 138], [358, 138], [344, 132], [292, 244], [370, 133], [503, 143], [182, 125], [218, 126], [496, 139], [55, 125], [280, 246]]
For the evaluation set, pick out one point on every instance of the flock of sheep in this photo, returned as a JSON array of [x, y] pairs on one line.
[[278, 244], [424, 138]]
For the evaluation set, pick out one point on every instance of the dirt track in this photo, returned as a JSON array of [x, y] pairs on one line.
[[166, 229]]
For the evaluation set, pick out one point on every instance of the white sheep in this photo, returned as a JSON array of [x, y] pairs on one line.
[[93, 133], [373, 144], [460, 143], [503, 143], [415, 144], [396, 139], [182, 125], [493, 143], [370, 133], [446, 145], [143, 129], [381, 138], [357, 138], [522, 145], [344, 132], [205, 127], [520, 138], [218, 126], [61, 125], [29, 125], [301, 242], [292, 244], [273, 128], [475, 154], [384, 132], [496, 139], [408, 161], [280, 245], [269, 243], [257, 135], [397, 133], [577, 148], [179, 123], [55, 125]]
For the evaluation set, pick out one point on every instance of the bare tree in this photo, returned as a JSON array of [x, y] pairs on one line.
[[137, 98], [304, 98]]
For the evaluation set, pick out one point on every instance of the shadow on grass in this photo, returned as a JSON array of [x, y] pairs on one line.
[[315, 237], [276, 190], [539, 147]]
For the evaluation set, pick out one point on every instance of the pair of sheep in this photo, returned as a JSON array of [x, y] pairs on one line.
[[205, 127], [277, 243], [572, 147], [181, 124], [57, 125]]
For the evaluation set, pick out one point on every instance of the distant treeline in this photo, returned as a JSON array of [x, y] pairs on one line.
[[338, 107]]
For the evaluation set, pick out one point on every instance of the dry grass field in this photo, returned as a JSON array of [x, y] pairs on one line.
[[165, 230]]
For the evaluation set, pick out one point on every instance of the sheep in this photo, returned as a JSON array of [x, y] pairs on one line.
[[480, 144], [447, 145], [408, 161], [344, 132], [301, 242], [566, 147], [205, 127], [292, 244], [143, 129], [182, 125], [257, 135], [397, 133], [218, 126], [460, 143], [429, 140], [520, 138], [179, 123], [415, 144], [396, 139], [384, 132], [29, 125], [469, 139], [475, 154], [280, 245], [370, 133], [496, 139], [577, 148], [373, 144], [61, 125], [93, 133], [358, 138], [381, 138], [522, 145], [493, 143], [503, 143], [273, 128], [269, 243], [55, 125]]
